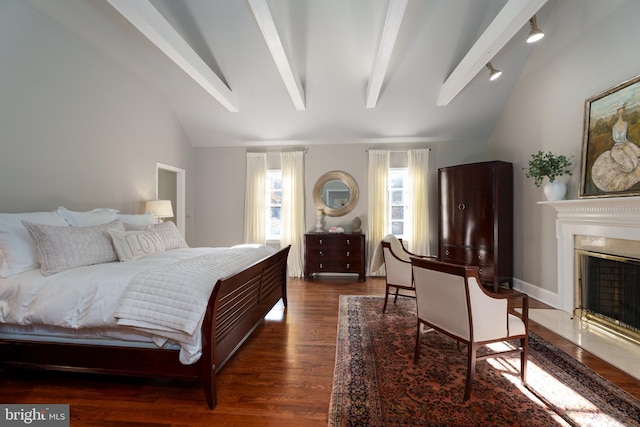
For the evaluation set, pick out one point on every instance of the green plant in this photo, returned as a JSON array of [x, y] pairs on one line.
[[547, 164]]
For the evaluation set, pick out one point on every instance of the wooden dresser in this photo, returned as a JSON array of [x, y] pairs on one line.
[[476, 218], [334, 253]]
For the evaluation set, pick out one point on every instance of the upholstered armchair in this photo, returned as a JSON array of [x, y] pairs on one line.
[[451, 300], [397, 263]]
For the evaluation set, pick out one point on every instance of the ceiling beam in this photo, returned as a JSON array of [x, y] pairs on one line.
[[285, 67], [146, 18], [513, 16], [395, 13]]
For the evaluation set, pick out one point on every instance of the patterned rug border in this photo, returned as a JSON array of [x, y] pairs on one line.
[[364, 396]]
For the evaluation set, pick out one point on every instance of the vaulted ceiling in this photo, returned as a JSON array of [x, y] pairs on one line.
[[282, 72]]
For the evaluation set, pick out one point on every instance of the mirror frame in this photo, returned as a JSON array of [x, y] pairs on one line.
[[347, 180]]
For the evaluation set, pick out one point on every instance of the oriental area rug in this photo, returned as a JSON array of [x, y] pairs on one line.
[[376, 382]]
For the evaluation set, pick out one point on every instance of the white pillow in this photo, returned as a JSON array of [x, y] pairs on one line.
[[132, 245], [140, 219], [63, 248], [93, 217], [17, 248], [169, 233]]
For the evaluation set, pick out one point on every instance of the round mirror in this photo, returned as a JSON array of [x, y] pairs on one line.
[[336, 193]]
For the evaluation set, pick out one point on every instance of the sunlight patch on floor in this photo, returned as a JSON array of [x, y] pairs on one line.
[[547, 391], [276, 313]]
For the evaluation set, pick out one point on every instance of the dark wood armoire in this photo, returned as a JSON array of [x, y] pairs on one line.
[[476, 219]]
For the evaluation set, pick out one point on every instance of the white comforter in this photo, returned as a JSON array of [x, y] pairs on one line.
[[89, 297]]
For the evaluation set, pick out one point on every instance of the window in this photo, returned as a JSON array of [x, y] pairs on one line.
[[398, 202], [274, 203]]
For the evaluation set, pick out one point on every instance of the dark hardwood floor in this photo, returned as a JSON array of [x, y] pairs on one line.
[[281, 377]]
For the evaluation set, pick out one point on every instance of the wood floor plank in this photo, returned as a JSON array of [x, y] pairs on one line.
[[282, 375]]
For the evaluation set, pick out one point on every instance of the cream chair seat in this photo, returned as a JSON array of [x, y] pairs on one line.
[[451, 300]]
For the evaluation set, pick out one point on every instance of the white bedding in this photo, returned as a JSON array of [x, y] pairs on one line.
[[89, 296]]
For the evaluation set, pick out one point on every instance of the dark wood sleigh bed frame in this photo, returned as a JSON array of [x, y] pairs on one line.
[[236, 308]]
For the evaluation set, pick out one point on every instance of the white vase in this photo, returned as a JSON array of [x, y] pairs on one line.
[[555, 190]]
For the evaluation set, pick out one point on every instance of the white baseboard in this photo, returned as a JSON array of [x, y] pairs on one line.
[[542, 295]]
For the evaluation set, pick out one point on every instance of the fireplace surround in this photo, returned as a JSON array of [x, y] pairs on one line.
[[591, 220]]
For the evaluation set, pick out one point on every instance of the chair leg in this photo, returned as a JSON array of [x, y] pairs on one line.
[[386, 298], [524, 355], [416, 354], [471, 369], [395, 300]]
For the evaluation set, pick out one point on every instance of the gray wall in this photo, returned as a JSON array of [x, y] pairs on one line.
[[592, 47], [220, 181], [76, 128]]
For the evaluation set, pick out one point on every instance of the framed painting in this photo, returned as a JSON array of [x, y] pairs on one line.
[[611, 142]]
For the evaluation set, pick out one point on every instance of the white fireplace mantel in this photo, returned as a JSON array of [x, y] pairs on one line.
[[615, 217]]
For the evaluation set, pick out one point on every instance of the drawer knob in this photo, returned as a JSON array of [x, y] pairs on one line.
[[320, 241], [348, 265], [348, 242], [348, 253], [446, 252], [320, 265], [321, 253], [461, 206]]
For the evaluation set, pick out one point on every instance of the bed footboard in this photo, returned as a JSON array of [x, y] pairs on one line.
[[237, 306]]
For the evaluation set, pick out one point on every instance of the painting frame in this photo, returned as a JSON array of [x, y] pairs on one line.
[[610, 162]]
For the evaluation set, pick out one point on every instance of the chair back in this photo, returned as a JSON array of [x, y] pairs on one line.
[[395, 245], [451, 297], [396, 261], [442, 297]]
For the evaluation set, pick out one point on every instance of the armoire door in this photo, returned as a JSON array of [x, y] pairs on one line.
[[467, 214]]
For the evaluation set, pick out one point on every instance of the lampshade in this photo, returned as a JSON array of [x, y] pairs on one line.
[[160, 208], [493, 73], [535, 34]]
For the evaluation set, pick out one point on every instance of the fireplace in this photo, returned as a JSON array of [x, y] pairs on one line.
[[597, 225], [609, 290], [600, 225]]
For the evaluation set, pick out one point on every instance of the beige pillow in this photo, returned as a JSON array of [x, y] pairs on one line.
[[132, 245], [61, 248], [18, 251], [169, 233]]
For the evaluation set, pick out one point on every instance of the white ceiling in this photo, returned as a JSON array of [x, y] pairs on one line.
[[330, 46]]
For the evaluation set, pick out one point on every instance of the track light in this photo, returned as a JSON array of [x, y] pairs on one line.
[[535, 34], [493, 73]]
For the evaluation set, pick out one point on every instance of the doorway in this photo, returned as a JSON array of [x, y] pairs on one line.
[[170, 185]]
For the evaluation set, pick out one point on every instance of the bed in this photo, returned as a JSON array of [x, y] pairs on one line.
[[56, 315]]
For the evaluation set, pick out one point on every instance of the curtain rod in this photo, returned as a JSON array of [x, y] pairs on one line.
[[276, 150], [397, 151]]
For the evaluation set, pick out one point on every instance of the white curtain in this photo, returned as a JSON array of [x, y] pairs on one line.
[[255, 204], [292, 223], [378, 203], [418, 167]]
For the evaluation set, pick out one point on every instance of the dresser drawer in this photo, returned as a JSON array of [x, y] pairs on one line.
[[337, 242], [333, 266], [487, 273], [467, 256]]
